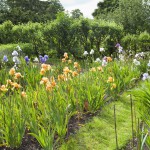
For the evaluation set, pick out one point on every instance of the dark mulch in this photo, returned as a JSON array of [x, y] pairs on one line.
[[78, 121], [28, 143]]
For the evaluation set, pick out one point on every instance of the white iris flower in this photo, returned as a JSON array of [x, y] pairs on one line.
[[91, 52], [85, 53]]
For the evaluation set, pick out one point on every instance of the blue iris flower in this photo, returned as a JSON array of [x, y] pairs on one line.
[[5, 59], [43, 59], [27, 59], [117, 45], [46, 57]]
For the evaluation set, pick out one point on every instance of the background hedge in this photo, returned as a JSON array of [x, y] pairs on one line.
[[74, 36]]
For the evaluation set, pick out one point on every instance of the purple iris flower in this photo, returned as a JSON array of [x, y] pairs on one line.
[[43, 59], [5, 59], [26, 59], [46, 57], [117, 45], [40, 56]]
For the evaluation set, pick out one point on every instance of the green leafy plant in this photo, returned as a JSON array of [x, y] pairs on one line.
[[142, 97]]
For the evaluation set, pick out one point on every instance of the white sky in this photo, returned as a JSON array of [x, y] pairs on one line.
[[87, 7]]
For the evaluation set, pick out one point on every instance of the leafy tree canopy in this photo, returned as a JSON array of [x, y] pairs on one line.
[[76, 13], [132, 14], [105, 7], [23, 11]]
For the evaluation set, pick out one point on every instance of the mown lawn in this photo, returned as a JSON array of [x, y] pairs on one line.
[[99, 133]]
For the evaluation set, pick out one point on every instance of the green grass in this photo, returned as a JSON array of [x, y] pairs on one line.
[[99, 134]]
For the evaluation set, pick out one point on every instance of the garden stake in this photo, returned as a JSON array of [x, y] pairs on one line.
[[132, 120], [3, 108], [135, 115], [67, 130], [138, 135], [115, 127]]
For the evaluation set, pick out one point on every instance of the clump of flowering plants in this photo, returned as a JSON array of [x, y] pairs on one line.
[[141, 96], [40, 98], [12, 123]]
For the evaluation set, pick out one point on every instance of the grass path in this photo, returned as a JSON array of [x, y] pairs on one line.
[[99, 134]]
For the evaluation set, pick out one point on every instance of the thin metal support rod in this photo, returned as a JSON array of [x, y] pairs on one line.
[[132, 120], [115, 122]]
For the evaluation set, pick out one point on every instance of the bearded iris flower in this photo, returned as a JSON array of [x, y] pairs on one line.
[[85, 53], [110, 80], [43, 59], [3, 88], [16, 60], [35, 59], [104, 62], [136, 55], [15, 53], [121, 57], [117, 45], [136, 62], [102, 49], [27, 59], [97, 60], [139, 55], [120, 49], [5, 59], [145, 76], [46, 57], [65, 55], [12, 71], [91, 52], [23, 94]]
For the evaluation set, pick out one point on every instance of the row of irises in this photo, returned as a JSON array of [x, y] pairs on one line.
[[103, 62], [44, 58], [16, 60], [122, 57]]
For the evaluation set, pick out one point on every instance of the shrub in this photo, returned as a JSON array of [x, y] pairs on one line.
[[144, 41], [130, 42], [142, 99], [6, 32], [135, 42]]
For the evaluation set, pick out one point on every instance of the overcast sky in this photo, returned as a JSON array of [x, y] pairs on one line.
[[87, 7]]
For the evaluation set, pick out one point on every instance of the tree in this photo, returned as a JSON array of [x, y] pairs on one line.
[[84, 31], [76, 14], [3, 8], [105, 7], [23, 11], [2, 5], [133, 14], [62, 34]]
